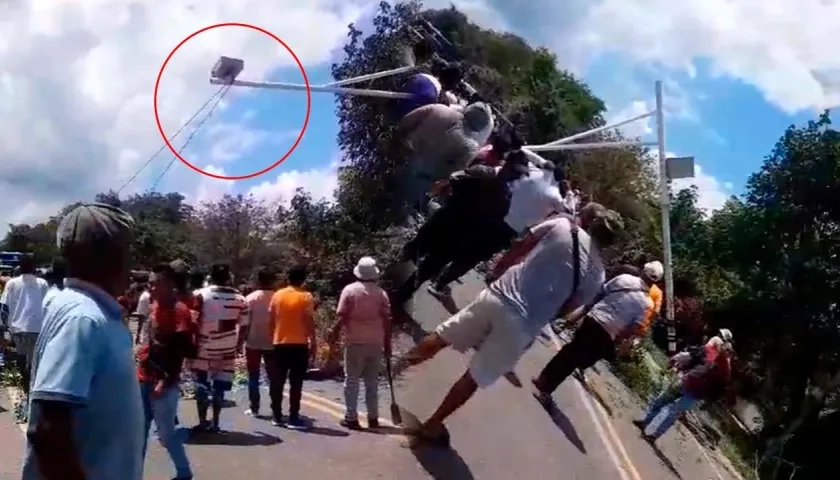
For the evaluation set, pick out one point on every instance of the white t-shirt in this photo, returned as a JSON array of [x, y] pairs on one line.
[[532, 199], [24, 297], [626, 301], [144, 308], [544, 281]]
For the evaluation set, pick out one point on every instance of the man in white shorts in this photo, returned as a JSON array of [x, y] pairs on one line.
[[554, 269]]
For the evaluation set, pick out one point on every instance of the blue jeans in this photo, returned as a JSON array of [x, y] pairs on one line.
[[673, 404], [163, 410]]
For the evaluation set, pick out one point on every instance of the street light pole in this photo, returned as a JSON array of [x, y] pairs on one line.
[[665, 204]]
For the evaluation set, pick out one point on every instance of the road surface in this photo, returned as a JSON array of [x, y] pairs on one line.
[[500, 434]]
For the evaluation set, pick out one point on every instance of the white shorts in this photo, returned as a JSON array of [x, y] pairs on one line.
[[494, 330]]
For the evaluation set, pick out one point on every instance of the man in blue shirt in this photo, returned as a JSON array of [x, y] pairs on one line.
[[85, 415]]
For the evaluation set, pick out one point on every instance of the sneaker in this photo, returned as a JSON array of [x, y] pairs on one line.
[[252, 412], [640, 425], [373, 422], [297, 423], [278, 421], [350, 424], [202, 427]]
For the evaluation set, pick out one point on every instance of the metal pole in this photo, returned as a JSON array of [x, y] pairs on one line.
[[586, 146], [361, 92], [611, 126], [370, 76], [665, 203]]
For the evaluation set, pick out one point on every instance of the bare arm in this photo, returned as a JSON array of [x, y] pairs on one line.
[[50, 433]]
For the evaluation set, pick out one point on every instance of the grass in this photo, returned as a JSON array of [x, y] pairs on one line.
[[645, 374]]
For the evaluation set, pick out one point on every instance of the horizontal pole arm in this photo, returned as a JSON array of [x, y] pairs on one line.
[[370, 76], [587, 146], [595, 131], [359, 92]]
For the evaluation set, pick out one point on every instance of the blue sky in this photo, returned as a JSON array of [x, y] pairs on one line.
[[77, 119], [725, 123]]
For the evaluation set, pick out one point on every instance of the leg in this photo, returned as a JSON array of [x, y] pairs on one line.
[[503, 343], [145, 395], [673, 411], [278, 384], [164, 409], [427, 268], [463, 331], [370, 375], [202, 396], [668, 395], [222, 382], [586, 348], [299, 363], [353, 367], [252, 365]]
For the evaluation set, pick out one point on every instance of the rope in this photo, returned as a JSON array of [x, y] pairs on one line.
[[224, 90], [163, 147]]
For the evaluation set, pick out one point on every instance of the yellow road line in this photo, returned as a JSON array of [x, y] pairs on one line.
[[605, 420]]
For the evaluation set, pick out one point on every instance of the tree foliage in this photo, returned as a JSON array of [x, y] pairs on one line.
[[766, 266]]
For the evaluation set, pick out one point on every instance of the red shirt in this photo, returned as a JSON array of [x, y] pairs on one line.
[[163, 357]]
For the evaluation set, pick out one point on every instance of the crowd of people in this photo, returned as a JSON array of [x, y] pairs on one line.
[[74, 348]]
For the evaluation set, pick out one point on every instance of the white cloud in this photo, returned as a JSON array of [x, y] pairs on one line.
[[780, 46], [321, 183], [711, 192], [77, 80]]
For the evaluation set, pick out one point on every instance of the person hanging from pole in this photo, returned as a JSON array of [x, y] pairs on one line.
[[555, 268], [533, 198], [478, 200], [440, 142]]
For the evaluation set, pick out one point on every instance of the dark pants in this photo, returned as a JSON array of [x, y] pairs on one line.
[[253, 358], [589, 344], [292, 361], [484, 243]]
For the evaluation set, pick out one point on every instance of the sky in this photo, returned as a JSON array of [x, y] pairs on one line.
[[77, 81]]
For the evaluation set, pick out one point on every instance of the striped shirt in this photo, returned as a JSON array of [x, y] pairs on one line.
[[223, 309]]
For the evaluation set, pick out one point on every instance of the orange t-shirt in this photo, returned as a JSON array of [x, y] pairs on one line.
[[290, 311], [655, 294]]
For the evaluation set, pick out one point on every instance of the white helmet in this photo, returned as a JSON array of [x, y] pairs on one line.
[[654, 270], [726, 335]]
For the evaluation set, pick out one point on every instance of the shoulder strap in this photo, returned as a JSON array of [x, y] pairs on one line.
[[575, 259]]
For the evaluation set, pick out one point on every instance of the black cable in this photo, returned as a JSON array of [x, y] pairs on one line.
[[224, 90], [163, 147]]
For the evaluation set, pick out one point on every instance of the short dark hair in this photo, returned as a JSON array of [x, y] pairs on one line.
[[164, 269], [27, 263], [297, 275], [220, 274], [196, 278], [265, 278]]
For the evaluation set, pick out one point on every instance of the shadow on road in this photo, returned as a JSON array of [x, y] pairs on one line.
[[237, 439], [565, 425], [443, 464], [665, 460]]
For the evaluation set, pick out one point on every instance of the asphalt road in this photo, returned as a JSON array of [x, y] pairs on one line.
[[500, 434]]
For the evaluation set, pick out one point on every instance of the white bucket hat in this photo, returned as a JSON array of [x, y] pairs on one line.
[[654, 270], [366, 269]]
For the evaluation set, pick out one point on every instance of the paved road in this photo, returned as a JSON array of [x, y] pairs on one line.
[[501, 434]]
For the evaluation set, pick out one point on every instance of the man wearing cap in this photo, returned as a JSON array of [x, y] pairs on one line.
[[442, 142], [555, 268], [86, 416], [364, 314], [614, 319], [651, 274]]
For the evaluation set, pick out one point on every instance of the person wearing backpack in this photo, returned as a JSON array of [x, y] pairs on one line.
[[707, 378], [607, 327], [555, 268]]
